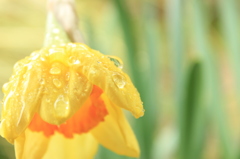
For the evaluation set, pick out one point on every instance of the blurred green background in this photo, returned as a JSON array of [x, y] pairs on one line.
[[182, 55]]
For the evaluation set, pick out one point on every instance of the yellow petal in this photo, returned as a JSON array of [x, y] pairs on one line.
[[117, 85], [30, 145], [66, 91], [79, 147], [115, 132], [22, 97]]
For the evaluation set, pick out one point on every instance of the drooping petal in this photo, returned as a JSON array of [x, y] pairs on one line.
[[101, 71], [115, 132], [66, 92], [22, 98], [81, 146], [88, 116], [30, 145]]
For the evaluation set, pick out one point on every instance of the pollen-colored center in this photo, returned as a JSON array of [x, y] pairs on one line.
[[86, 118]]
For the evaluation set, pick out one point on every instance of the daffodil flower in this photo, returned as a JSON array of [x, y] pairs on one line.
[[62, 101]]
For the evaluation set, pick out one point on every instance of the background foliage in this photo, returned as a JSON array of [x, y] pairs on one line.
[[183, 57]]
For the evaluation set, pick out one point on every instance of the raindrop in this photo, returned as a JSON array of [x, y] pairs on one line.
[[48, 100], [43, 59], [42, 81], [119, 80], [25, 75], [57, 83], [74, 45], [55, 71], [117, 61], [74, 60], [68, 76], [93, 70], [5, 87], [55, 50], [17, 66], [62, 106], [75, 90], [34, 56], [143, 112]]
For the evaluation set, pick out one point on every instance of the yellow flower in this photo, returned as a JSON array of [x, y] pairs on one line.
[[63, 100]]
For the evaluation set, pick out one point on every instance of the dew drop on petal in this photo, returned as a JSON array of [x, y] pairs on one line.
[[56, 50], [42, 59], [74, 60], [62, 106], [55, 71], [5, 87], [18, 65], [67, 76], [34, 55], [119, 80], [57, 82], [42, 81], [117, 61], [48, 100], [25, 75], [143, 112]]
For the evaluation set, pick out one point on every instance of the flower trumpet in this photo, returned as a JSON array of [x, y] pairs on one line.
[[61, 101]]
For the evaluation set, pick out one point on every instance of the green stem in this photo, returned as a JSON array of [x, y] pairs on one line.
[[55, 35]]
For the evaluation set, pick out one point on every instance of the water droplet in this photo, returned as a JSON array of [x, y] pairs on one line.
[[117, 61], [143, 112], [5, 87], [43, 59], [55, 71], [68, 76], [18, 65], [45, 90], [42, 81], [57, 83], [48, 100], [34, 55], [74, 60], [82, 47], [62, 106], [75, 90], [56, 50], [25, 75], [29, 66], [119, 80]]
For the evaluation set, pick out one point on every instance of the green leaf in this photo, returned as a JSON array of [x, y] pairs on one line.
[[213, 96], [193, 118]]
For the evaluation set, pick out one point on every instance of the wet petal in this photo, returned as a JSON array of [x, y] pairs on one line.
[[81, 146], [22, 97], [103, 72], [30, 145], [115, 132], [66, 91]]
